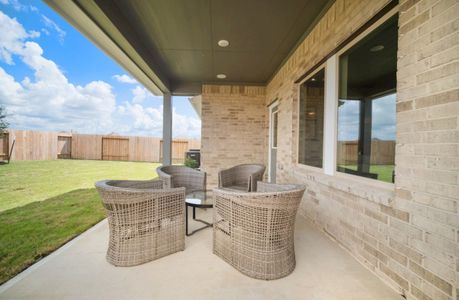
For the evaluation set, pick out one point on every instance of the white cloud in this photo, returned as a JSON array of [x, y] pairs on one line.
[[52, 25], [149, 120], [48, 101], [348, 120], [12, 37], [18, 6], [185, 126], [139, 94], [383, 119], [15, 4], [125, 79]]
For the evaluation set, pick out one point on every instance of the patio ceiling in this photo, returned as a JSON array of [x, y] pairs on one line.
[[174, 42]]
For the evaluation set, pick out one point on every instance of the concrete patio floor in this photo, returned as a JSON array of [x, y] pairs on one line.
[[79, 271]]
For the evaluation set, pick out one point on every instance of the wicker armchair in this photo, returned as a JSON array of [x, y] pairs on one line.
[[145, 221], [241, 177], [254, 232], [180, 176]]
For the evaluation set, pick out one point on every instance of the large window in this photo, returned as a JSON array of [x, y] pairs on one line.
[[366, 106], [311, 117]]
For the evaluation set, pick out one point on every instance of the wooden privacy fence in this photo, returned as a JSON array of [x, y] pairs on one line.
[[64, 146], [179, 146], [30, 145], [39, 145], [115, 148], [382, 152], [4, 148]]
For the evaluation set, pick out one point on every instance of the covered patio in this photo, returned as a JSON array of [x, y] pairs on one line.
[[356, 100], [79, 271]]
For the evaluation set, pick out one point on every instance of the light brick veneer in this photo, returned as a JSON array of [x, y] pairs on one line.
[[407, 233], [233, 128]]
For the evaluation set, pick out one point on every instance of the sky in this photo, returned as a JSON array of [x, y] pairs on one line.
[[382, 122], [52, 78]]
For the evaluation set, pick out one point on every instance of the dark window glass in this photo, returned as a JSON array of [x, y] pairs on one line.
[[275, 124], [310, 146], [366, 106]]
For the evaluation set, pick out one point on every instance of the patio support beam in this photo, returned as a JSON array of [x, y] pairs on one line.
[[167, 129]]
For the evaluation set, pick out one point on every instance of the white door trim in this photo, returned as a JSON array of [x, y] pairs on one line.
[[270, 138]]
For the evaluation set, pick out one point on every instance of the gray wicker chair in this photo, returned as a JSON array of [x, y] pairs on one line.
[[241, 177], [181, 176], [145, 221], [254, 232]]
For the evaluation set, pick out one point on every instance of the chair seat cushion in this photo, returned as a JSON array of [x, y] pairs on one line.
[[236, 188]]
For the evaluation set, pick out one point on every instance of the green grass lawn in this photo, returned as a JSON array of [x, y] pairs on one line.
[[23, 182], [44, 204]]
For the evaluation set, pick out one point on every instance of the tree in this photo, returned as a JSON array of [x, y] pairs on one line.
[[3, 123]]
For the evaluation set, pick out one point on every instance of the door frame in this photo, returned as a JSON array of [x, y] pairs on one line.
[[272, 105]]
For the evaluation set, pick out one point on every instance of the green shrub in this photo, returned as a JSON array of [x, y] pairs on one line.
[[191, 163], [3, 123]]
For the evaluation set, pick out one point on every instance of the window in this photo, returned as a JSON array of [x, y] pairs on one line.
[[274, 128], [366, 106], [311, 120]]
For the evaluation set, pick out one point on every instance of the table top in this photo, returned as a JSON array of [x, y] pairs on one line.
[[200, 199]]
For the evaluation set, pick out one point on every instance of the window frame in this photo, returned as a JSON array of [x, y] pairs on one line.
[[357, 39], [276, 112], [331, 97], [313, 73]]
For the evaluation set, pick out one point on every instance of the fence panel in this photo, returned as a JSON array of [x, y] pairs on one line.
[[194, 144], [142, 148], [179, 147], [382, 152], [4, 147], [115, 148], [347, 152], [64, 146], [33, 145], [86, 146], [39, 145]]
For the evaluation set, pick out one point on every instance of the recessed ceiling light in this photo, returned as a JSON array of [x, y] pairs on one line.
[[221, 76], [376, 48], [313, 79], [223, 43]]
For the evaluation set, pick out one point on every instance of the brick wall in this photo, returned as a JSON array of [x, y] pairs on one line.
[[406, 233], [427, 153], [233, 128]]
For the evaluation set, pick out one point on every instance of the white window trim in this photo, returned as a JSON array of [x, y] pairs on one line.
[[330, 115], [270, 109]]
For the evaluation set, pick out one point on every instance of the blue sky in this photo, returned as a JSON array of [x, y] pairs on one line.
[[53, 78]]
